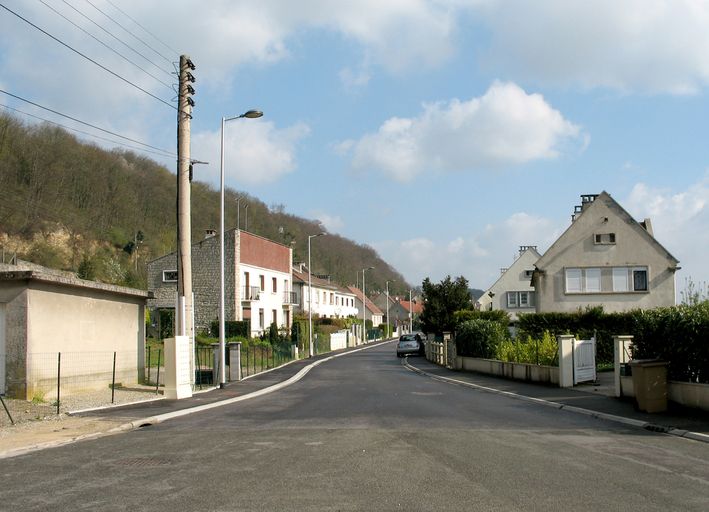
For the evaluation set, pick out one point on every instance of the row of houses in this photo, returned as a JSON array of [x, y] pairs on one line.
[[604, 258], [262, 285]]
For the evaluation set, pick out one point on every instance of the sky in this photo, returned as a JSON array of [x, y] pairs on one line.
[[442, 133]]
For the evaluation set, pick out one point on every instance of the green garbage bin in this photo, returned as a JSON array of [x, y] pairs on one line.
[[650, 384]]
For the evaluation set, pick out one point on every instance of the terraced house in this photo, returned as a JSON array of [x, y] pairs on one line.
[[257, 281]]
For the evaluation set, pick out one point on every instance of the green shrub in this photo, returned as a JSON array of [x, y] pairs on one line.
[[497, 315], [479, 338], [232, 328], [543, 351]]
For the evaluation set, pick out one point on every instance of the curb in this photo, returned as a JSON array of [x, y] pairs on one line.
[[153, 420], [646, 425]]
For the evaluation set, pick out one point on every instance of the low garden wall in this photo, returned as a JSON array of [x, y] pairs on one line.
[[518, 371], [688, 394]]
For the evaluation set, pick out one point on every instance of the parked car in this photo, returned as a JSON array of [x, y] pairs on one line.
[[409, 344]]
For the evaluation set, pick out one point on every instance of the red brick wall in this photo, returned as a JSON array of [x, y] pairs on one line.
[[264, 253]]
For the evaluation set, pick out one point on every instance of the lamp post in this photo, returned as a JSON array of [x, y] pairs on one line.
[[238, 212], [364, 307], [310, 297], [246, 215], [411, 313], [387, 286], [251, 114]]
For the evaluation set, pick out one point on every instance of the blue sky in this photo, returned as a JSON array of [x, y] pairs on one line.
[[443, 133]]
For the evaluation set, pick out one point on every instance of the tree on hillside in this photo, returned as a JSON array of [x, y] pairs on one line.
[[441, 301]]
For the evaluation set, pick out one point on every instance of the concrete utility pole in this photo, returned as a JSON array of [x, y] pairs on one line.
[[184, 308]]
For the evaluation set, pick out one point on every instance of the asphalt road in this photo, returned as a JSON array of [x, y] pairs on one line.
[[361, 432]]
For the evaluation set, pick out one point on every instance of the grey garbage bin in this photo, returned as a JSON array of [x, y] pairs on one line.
[[650, 384]]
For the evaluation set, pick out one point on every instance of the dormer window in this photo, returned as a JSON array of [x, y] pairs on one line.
[[604, 238]]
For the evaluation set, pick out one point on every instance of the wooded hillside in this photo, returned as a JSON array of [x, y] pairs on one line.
[[73, 206]]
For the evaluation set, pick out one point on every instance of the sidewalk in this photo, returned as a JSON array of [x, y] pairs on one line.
[[587, 399], [28, 437]]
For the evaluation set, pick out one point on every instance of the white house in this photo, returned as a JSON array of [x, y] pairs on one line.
[[512, 291], [604, 258], [328, 299]]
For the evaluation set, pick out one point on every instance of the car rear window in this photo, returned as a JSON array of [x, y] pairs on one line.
[[408, 337]]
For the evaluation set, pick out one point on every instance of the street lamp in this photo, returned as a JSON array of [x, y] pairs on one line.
[[251, 114], [411, 313], [310, 296], [246, 221], [364, 307], [387, 286]]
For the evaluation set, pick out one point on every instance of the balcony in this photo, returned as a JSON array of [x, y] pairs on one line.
[[290, 298], [250, 293]]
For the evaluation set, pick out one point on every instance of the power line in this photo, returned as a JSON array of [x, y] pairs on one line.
[[128, 31], [144, 29], [167, 72], [87, 133], [85, 123], [104, 44], [88, 58]]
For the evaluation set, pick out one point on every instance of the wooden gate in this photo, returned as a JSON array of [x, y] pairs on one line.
[[584, 360]]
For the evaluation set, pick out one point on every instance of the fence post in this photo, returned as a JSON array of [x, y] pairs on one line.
[[157, 380], [234, 349], [621, 347], [59, 377], [113, 379], [566, 360]]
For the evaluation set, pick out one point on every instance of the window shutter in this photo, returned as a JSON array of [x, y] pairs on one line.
[[593, 279], [573, 280]]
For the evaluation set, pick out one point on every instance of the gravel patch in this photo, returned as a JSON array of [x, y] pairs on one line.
[[24, 411]]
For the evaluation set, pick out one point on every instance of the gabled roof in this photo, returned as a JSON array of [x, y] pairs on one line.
[[602, 198], [318, 282], [415, 307], [368, 303], [514, 267]]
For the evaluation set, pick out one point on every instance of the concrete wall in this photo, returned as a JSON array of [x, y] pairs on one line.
[[576, 249], [84, 321], [518, 371]]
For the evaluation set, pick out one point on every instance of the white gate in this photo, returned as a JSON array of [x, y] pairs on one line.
[[584, 360]]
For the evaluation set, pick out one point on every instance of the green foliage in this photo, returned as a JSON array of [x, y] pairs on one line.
[[675, 334], [497, 315], [106, 201], [87, 269], [232, 328], [479, 338], [530, 350], [694, 293], [273, 332], [441, 301]]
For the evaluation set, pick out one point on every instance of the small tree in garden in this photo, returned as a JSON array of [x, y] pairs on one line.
[[441, 301], [479, 338]]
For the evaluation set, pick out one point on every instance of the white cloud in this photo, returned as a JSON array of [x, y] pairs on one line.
[[255, 152], [680, 221], [654, 46], [478, 256], [505, 126], [333, 223]]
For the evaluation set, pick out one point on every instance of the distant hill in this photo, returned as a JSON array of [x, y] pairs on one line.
[[73, 206]]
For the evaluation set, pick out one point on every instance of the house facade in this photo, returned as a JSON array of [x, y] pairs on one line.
[[604, 258], [373, 312], [328, 299], [257, 281], [512, 291]]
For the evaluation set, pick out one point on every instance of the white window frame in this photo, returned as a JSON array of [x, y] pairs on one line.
[[164, 280], [512, 300], [573, 276], [620, 280], [592, 280]]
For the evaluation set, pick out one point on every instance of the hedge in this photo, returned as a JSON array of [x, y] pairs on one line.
[[679, 334], [232, 328], [479, 338]]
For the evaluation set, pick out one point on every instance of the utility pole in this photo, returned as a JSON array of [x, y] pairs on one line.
[[185, 305]]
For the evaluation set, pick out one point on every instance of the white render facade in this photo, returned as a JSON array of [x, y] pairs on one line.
[[605, 258], [513, 291], [271, 302], [328, 299]]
